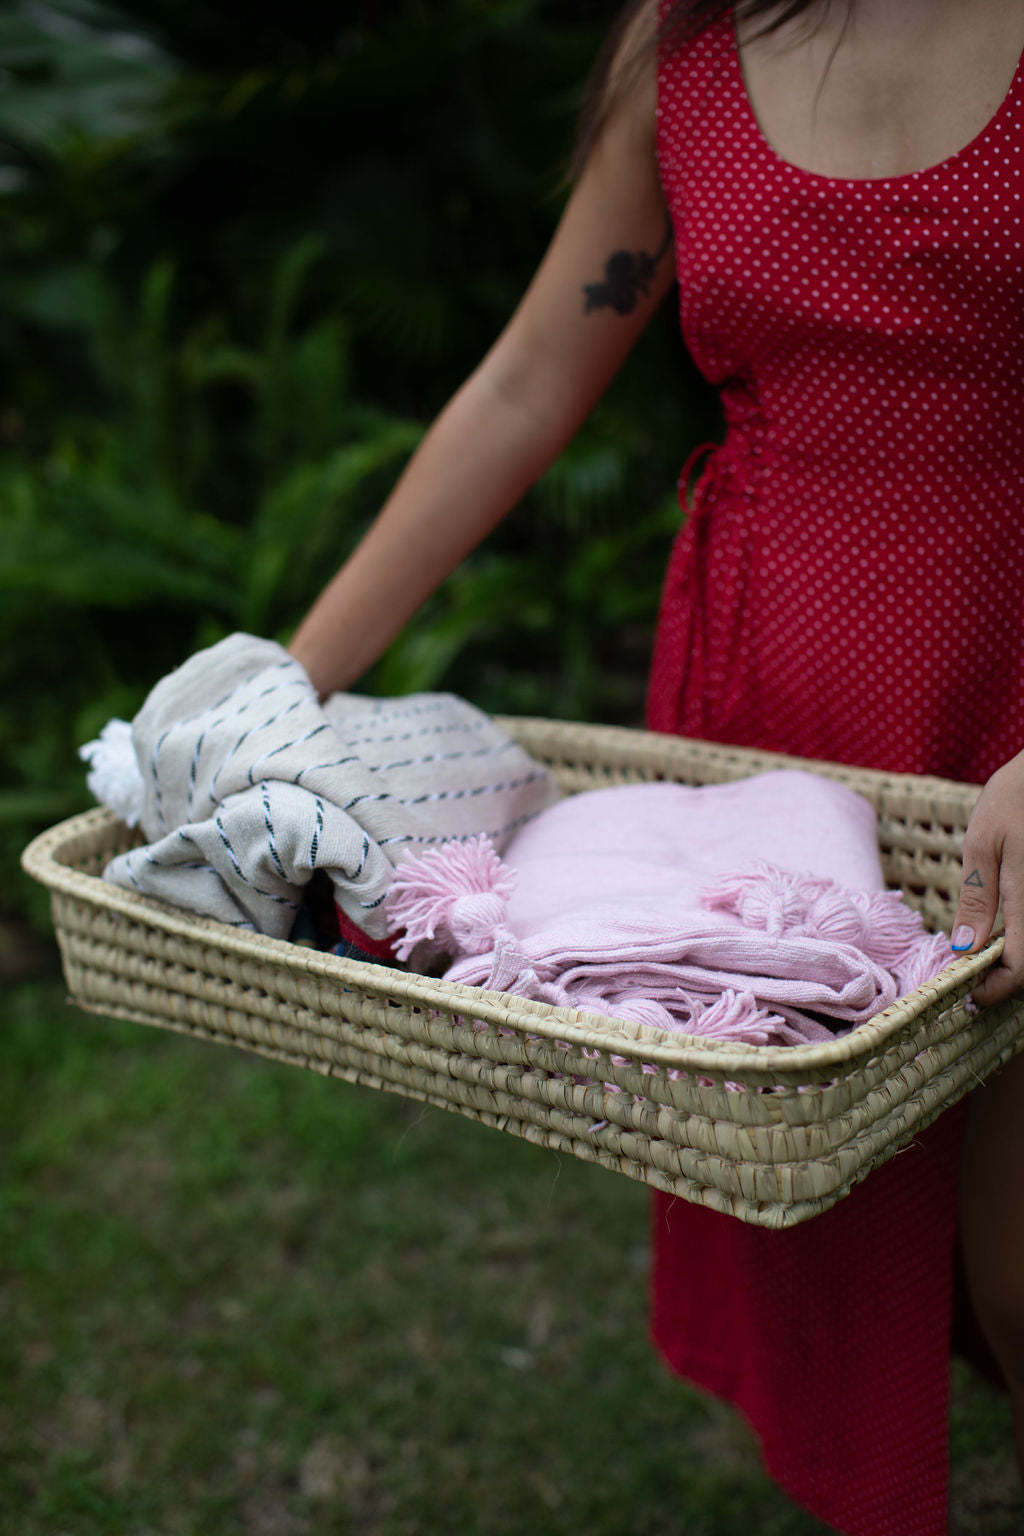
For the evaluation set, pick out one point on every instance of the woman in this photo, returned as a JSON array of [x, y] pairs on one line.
[[843, 190]]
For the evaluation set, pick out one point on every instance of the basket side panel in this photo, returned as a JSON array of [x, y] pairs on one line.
[[790, 1142]]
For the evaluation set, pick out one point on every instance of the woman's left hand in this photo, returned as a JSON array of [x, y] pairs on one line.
[[993, 867]]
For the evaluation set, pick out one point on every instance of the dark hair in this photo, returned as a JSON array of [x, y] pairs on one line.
[[638, 31]]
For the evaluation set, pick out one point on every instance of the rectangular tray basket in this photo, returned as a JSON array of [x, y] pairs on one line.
[[772, 1135]]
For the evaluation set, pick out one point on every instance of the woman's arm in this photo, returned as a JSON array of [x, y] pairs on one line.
[[608, 266]]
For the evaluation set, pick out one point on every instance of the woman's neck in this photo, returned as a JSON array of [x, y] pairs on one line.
[[877, 88]]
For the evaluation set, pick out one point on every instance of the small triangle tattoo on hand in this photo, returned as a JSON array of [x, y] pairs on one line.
[[974, 879]]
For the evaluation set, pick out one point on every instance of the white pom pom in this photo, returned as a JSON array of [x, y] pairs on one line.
[[114, 776]]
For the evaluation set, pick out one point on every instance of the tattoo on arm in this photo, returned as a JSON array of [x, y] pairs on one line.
[[974, 879], [626, 275]]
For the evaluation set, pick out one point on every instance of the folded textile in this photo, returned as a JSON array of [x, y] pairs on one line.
[[753, 911], [245, 784]]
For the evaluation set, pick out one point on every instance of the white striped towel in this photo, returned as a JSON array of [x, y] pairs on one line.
[[245, 785]]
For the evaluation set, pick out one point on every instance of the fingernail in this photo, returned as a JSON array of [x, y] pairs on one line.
[[963, 937]]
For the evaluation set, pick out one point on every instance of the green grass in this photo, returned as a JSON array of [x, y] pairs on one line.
[[240, 1300]]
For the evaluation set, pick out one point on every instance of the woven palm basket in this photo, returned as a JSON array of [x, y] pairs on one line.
[[772, 1135]]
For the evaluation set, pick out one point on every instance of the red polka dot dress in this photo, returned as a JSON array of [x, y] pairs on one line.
[[848, 585]]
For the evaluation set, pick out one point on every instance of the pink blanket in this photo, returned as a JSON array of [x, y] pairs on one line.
[[753, 911]]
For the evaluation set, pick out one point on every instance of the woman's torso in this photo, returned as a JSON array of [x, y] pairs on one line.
[[851, 582]]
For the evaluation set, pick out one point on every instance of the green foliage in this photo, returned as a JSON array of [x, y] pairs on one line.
[[239, 1297], [243, 1298], [240, 269]]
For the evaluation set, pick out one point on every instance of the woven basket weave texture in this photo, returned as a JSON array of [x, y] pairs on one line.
[[772, 1135]]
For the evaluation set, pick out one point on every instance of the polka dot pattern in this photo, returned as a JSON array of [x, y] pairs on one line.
[[847, 585], [852, 568], [815, 1333]]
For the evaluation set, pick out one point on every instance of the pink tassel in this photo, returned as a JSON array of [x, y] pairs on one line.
[[637, 1010], [893, 930], [642, 1010], [922, 962], [451, 898], [835, 917], [767, 898], [782, 904], [878, 923], [736, 1016]]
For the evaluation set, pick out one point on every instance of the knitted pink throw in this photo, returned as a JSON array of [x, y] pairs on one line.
[[745, 911]]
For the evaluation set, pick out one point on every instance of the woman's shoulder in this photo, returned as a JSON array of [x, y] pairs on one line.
[[622, 90], [656, 49]]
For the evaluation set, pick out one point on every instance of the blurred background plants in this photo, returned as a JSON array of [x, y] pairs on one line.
[[243, 261], [245, 255]]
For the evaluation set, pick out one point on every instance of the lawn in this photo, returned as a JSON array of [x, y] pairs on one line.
[[240, 1300]]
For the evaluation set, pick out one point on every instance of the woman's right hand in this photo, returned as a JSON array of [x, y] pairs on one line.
[[993, 870]]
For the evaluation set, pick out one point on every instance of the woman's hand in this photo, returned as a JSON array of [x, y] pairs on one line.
[[993, 860]]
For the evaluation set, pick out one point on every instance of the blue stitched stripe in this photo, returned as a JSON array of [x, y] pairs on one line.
[[316, 833], [441, 757], [156, 777], [360, 798], [209, 709], [187, 864], [270, 832], [453, 794], [355, 873], [212, 725], [230, 851], [339, 762], [194, 766], [461, 837], [285, 747], [427, 730], [410, 714], [282, 901], [253, 729]]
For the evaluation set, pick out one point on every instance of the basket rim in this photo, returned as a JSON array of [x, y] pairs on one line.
[[642, 1043], [627, 743]]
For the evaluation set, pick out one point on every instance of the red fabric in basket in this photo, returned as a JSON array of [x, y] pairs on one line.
[[350, 933]]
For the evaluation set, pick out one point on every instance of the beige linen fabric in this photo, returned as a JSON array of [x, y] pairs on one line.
[[250, 784]]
